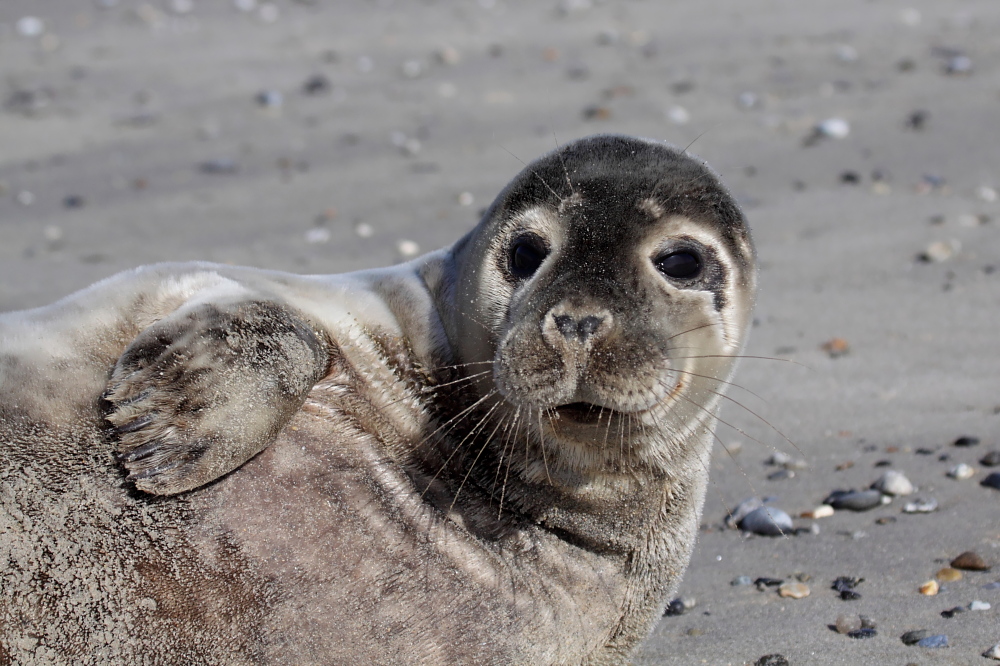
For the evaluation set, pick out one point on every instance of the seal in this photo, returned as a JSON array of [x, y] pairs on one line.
[[495, 453]]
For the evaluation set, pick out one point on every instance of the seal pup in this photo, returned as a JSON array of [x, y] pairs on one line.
[[495, 453]]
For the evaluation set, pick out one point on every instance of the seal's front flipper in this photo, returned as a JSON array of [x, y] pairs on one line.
[[202, 391]]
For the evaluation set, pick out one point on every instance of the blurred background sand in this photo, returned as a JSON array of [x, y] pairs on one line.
[[324, 136]]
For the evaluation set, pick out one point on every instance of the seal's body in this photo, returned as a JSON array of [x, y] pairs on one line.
[[496, 453]]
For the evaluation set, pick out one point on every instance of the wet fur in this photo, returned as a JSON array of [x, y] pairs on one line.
[[379, 467]]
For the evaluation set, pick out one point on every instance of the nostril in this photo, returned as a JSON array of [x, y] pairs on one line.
[[566, 325], [588, 325]]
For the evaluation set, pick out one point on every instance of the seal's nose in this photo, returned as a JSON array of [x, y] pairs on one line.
[[575, 326], [578, 330]]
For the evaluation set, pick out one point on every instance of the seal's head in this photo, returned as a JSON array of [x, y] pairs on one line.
[[614, 278]]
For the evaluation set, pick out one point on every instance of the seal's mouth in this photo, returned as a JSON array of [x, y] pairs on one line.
[[585, 412]]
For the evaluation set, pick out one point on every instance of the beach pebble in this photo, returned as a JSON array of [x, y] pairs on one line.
[[854, 500], [836, 347], [408, 248], [778, 458], [970, 561], [772, 660], [834, 128], [364, 230], [930, 588], [948, 575], [30, 26], [678, 115], [864, 632], [958, 65], [220, 165], [992, 481], [991, 459], [316, 85], [822, 511], [966, 441], [270, 99], [940, 251], [993, 652], [987, 193], [767, 521], [893, 483], [921, 506], [914, 637], [979, 605], [992, 586], [448, 55], [317, 235], [952, 612], [674, 608], [740, 511], [961, 472], [781, 475], [846, 624], [793, 590], [935, 641], [740, 581], [466, 199]]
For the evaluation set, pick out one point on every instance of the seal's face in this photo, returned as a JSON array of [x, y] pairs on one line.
[[616, 287]]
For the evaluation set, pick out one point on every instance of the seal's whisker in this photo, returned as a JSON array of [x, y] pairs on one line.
[[715, 379], [692, 330], [535, 174], [541, 438], [486, 443], [510, 439], [475, 429], [725, 423], [468, 378], [456, 419], [762, 358], [768, 423]]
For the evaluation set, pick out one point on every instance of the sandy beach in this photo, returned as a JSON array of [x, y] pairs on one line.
[[859, 136]]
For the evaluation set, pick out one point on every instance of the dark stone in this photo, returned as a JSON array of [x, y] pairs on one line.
[[854, 500], [992, 481], [674, 608], [913, 637], [772, 660], [863, 633], [991, 459], [76, 201], [850, 595], [966, 440], [952, 612], [316, 85]]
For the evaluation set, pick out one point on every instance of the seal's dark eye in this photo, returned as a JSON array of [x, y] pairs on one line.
[[679, 265], [526, 255]]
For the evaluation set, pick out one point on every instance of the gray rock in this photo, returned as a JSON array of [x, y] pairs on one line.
[[767, 521], [893, 483], [854, 500], [921, 506], [992, 481], [993, 652], [935, 641]]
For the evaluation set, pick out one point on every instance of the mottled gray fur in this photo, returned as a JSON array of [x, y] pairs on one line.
[[456, 460]]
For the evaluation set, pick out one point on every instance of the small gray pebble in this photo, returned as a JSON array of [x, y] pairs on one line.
[[992, 586], [767, 521], [741, 580], [781, 475], [935, 641], [854, 500], [863, 633], [893, 483], [740, 511], [979, 605], [921, 506]]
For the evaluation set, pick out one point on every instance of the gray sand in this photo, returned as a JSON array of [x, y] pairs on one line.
[[119, 106]]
